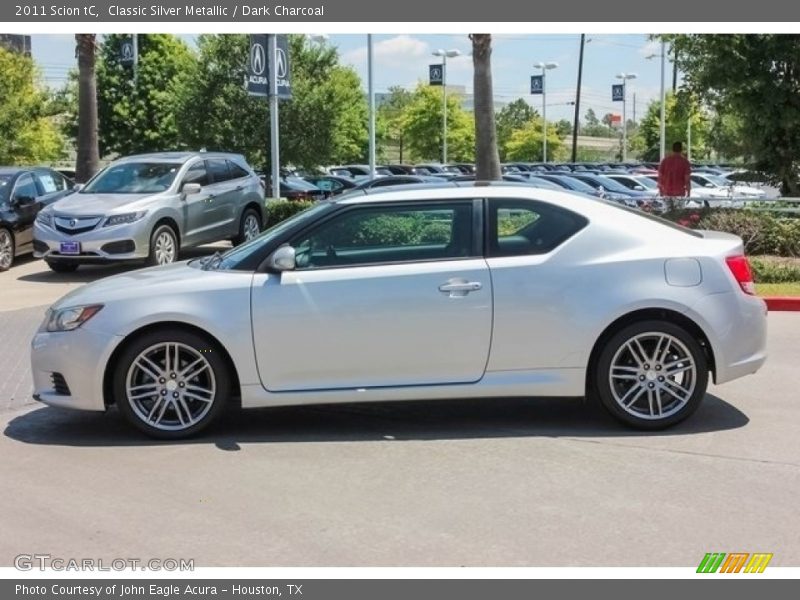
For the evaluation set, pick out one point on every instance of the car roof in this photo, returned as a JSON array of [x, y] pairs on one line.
[[180, 157]]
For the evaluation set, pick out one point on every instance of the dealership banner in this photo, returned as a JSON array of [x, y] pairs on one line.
[[392, 589], [299, 11]]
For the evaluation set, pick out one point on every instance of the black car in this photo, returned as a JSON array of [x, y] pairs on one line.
[[24, 191], [397, 180], [331, 185]]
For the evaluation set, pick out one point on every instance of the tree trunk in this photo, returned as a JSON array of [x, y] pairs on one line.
[[88, 154], [487, 161]]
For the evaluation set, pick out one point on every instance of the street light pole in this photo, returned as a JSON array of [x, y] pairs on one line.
[[663, 124], [371, 92], [273, 116], [625, 77], [445, 54], [544, 68]]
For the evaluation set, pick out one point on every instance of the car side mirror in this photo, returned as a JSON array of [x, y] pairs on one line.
[[283, 259], [77, 187], [639, 188], [191, 188], [24, 200]]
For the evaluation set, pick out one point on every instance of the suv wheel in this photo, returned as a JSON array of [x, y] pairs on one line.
[[249, 227], [6, 249], [163, 246]]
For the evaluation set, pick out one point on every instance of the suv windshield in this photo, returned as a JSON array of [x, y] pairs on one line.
[[133, 178]]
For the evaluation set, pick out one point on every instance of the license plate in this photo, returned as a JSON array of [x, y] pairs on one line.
[[70, 248]]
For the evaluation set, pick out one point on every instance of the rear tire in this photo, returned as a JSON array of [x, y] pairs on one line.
[[651, 375], [171, 384], [62, 267], [163, 246], [249, 227], [7, 249]]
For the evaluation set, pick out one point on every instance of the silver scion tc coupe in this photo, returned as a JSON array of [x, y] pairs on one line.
[[148, 207], [416, 293]]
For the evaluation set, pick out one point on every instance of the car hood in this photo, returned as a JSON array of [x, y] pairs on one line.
[[175, 279], [98, 204]]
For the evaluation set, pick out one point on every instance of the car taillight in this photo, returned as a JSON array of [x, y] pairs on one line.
[[742, 272]]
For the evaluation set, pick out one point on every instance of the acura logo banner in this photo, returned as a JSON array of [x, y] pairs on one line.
[[258, 66]]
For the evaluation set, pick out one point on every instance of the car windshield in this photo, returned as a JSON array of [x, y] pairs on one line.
[[133, 178], [5, 185], [236, 255], [577, 185], [611, 185]]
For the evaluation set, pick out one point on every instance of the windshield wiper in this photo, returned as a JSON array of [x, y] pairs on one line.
[[212, 262]]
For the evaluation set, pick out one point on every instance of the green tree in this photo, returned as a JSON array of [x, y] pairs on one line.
[[646, 139], [325, 122], [140, 115], [563, 128], [423, 126], [593, 127], [511, 117], [390, 119], [756, 78], [526, 145], [27, 132]]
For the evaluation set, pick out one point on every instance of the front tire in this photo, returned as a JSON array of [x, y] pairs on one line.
[[651, 375], [249, 227], [171, 384], [163, 246], [7, 249]]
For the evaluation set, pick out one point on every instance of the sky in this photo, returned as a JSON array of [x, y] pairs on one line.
[[403, 60]]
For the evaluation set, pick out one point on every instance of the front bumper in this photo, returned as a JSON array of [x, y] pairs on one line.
[[100, 245], [79, 357]]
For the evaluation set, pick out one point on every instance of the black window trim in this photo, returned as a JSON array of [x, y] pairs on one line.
[[477, 227], [189, 167], [16, 185], [491, 224]]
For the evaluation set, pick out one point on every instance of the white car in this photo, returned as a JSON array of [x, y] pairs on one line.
[[416, 293], [705, 185]]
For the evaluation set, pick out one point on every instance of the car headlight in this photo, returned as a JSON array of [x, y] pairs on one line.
[[45, 218], [67, 319], [124, 219]]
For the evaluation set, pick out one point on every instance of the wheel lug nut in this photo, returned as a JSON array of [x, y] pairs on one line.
[[641, 377], [646, 367], [181, 384], [661, 378], [650, 385], [163, 392], [172, 375], [174, 394], [658, 367], [161, 380]]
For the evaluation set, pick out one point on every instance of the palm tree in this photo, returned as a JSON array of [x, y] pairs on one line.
[[487, 160], [88, 153]]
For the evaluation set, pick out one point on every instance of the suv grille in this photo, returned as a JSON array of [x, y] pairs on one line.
[[76, 225]]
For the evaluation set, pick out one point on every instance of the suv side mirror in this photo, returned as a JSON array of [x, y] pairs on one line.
[[639, 188], [191, 188], [24, 200], [283, 259]]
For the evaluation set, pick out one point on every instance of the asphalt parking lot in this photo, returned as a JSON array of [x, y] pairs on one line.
[[543, 482]]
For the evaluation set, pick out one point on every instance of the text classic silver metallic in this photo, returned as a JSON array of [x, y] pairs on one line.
[[416, 293]]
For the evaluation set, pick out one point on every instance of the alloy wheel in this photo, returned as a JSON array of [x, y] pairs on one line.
[[652, 375], [6, 249], [165, 248], [170, 386], [251, 227]]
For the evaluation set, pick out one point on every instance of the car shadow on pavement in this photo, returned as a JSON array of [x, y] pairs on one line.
[[399, 421]]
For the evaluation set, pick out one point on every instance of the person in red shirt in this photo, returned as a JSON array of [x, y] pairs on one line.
[[674, 174]]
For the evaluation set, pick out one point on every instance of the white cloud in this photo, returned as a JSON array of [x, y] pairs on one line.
[[397, 51], [651, 47]]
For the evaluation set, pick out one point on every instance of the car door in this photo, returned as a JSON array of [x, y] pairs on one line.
[[223, 199], [195, 208], [25, 203], [382, 295]]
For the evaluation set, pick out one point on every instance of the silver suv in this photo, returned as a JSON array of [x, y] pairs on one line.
[[149, 206]]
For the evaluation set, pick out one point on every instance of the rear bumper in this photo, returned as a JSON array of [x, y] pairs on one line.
[[736, 327]]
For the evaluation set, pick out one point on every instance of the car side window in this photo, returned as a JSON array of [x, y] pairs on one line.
[[197, 173], [368, 235], [51, 182], [25, 188], [218, 170], [236, 172], [526, 227]]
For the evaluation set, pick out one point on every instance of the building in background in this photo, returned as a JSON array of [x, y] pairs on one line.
[[16, 43]]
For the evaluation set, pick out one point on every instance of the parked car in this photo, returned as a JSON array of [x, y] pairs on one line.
[[391, 180], [718, 186], [150, 206], [358, 170], [355, 300], [637, 183], [607, 186], [331, 185], [24, 191]]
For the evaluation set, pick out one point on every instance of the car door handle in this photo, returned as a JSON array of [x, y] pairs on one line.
[[459, 287], [239, 188]]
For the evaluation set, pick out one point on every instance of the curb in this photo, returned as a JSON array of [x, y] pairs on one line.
[[775, 303]]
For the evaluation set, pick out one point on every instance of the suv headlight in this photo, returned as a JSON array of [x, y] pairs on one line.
[[124, 219], [45, 218], [67, 319]]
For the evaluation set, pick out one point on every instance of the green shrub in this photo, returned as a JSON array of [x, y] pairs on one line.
[[749, 226], [774, 269], [280, 210]]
